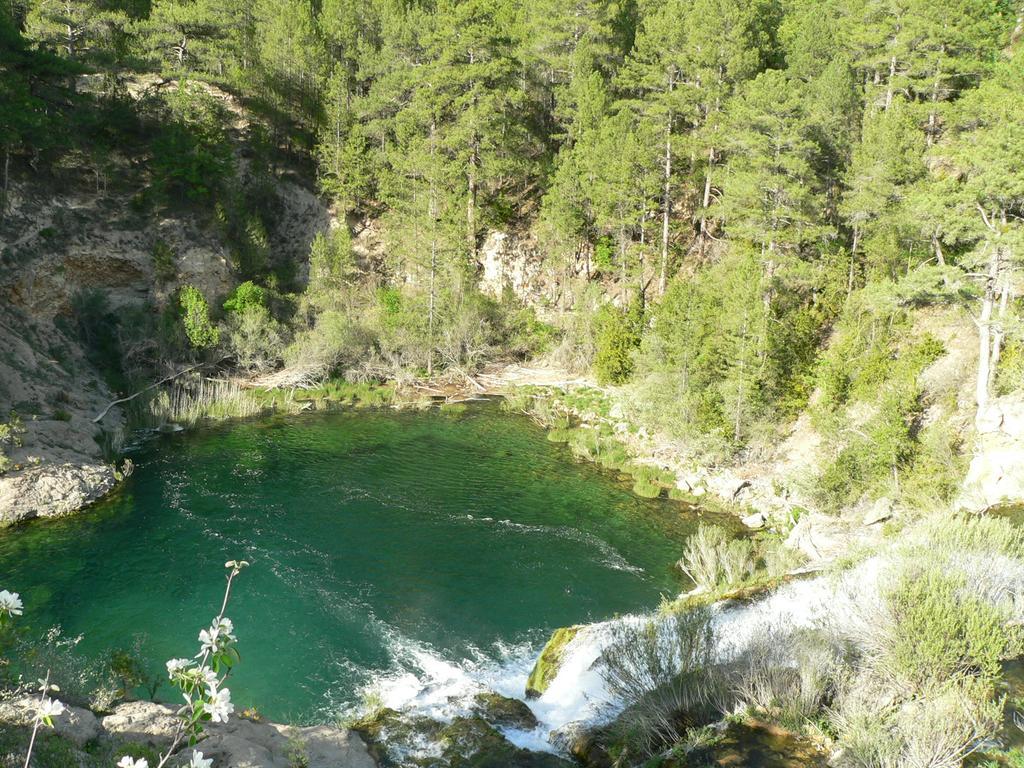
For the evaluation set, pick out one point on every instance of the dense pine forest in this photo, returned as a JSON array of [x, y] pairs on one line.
[[741, 178]]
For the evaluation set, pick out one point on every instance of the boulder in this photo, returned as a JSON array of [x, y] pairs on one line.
[[503, 711], [469, 742], [819, 537], [989, 420], [582, 742], [1013, 418], [879, 512], [75, 724], [145, 722], [327, 747], [244, 743], [995, 477], [756, 520], [51, 490]]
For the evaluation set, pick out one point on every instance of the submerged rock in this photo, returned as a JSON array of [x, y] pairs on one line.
[[548, 662], [465, 742], [469, 742]]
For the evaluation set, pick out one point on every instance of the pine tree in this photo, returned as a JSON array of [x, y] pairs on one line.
[[885, 164], [772, 207], [989, 152], [728, 42], [653, 76]]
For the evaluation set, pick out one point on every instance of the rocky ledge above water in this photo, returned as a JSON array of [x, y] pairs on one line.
[[240, 743], [52, 490]]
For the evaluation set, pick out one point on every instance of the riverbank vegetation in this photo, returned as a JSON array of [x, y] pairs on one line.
[[905, 671]]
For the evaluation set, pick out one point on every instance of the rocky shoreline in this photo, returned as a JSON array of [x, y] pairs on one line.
[[242, 742]]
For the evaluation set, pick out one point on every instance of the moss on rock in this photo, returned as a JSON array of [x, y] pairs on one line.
[[549, 661], [469, 742], [504, 712]]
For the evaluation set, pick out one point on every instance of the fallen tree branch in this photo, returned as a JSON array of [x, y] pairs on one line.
[[164, 380]]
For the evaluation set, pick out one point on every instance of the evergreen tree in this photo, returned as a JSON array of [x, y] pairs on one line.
[[989, 152]]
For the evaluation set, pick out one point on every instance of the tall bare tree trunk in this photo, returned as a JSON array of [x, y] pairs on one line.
[[705, 202], [985, 334], [998, 333], [666, 206], [433, 253], [7, 176], [853, 260], [888, 86], [471, 205]]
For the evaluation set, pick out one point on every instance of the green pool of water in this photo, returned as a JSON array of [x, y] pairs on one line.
[[374, 537]]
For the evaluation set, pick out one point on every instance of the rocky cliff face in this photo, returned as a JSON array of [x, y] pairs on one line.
[[60, 242]]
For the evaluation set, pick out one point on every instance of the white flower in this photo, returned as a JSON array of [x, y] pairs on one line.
[[220, 706], [176, 666], [199, 762], [10, 603], [207, 641], [226, 628], [217, 637], [210, 680], [131, 762], [47, 708]]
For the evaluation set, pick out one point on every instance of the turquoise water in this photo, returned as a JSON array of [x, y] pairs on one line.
[[375, 538]]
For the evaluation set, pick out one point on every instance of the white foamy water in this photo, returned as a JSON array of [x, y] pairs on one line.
[[423, 683]]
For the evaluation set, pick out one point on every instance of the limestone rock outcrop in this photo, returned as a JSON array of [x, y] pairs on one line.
[[996, 474]]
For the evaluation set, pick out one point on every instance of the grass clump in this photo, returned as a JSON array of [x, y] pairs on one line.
[[664, 672], [189, 401], [711, 559]]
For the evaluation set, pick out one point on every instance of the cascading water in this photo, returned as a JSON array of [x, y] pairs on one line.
[[577, 697]]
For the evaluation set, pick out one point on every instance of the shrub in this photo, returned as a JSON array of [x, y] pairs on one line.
[[163, 262], [936, 730], [662, 669], [201, 333], [936, 630], [335, 342], [618, 336], [254, 338], [711, 559], [246, 295], [332, 267]]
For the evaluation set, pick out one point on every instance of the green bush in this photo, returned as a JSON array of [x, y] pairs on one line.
[[939, 631], [195, 311], [618, 336], [245, 296]]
